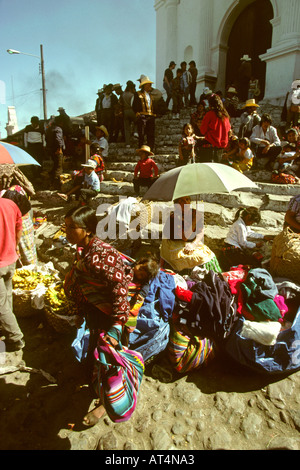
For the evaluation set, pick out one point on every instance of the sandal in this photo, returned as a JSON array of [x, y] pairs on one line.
[[63, 196]]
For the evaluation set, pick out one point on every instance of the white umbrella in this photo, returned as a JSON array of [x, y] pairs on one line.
[[195, 179]]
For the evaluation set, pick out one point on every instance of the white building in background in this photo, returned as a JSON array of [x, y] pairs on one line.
[[217, 33], [12, 122]]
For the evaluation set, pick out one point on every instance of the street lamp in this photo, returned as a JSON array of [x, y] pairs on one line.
[[41, 57]]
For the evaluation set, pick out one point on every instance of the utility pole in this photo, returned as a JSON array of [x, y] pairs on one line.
[[43, 83]]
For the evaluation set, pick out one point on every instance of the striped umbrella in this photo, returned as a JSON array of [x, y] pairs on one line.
[[13, 154]]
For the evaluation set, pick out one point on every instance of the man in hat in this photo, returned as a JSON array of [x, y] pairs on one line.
[[34, 142], [146, 170], [232, 103], [98, 106], [101, 138], [249, 118], [118, 118], [129, 114], [244, 75], [167, 81], [89, 187], [143, 108], [186, 80], [108, 104]]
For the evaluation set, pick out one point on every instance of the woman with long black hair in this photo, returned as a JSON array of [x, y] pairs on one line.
[[215, 128]]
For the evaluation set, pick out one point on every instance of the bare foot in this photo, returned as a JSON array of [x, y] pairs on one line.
[[94, 416]]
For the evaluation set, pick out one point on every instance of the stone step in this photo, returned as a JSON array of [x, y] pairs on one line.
[[235, 199], [130, 166]]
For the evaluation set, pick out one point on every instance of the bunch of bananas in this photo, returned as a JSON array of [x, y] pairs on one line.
[[55, 298], [28, 280]]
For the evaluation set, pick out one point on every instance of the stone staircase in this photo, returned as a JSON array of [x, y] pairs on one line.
[[219, 208]]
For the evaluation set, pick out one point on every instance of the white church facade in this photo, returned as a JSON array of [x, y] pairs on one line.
[[217, 33]]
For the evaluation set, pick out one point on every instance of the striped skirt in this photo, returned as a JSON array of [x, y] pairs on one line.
[[186, 351]]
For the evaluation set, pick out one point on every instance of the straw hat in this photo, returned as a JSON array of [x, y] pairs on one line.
[[231, 90], [246, 58], [145, 80], [103, 129], [145, 148], [90, 164], [251, 104]]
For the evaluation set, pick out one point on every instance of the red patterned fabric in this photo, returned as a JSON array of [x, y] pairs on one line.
[[100, 277]]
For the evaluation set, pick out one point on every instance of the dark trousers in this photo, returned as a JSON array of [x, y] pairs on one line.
[[85, 194], [146, 128], [138, 182], [57, 169], [193, 100], [209, 154], [108, 120], [177, 103], [169, 93], [271, 154]]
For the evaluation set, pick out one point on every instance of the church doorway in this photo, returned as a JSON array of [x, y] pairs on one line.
[[250, 35]]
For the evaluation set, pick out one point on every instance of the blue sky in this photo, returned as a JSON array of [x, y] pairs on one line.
[[85, 44]]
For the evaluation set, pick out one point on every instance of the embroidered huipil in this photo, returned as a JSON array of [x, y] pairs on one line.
[[100, 277]]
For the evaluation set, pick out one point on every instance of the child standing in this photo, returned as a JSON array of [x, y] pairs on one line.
[[96, 153], [237, 248], [143, 172], [187, 144]]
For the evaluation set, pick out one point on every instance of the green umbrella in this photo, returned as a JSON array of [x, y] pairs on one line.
[[195, 179]]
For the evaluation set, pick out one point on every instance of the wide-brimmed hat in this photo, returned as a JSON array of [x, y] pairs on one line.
[[90, 164], [116, 86], [246, 58], [103, 129], [231, 90], [145, 80], [251, 104], [145, 148]]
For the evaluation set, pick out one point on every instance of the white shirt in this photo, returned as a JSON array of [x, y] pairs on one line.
[[106, 102], [258, 135], [238, 234], [103, 144]]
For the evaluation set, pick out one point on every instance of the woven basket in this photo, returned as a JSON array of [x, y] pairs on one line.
[[143, 216], [60, 323], [285, 257], [22, 307]]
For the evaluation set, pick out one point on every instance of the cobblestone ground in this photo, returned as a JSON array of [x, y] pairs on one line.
[[221, 406]]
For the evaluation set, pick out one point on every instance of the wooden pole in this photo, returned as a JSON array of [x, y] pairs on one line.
[[87, 147]]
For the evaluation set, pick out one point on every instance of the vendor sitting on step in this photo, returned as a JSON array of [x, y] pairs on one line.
[[182, 246], [287, 161], [242, 158], [89, 187], [143, 173]]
